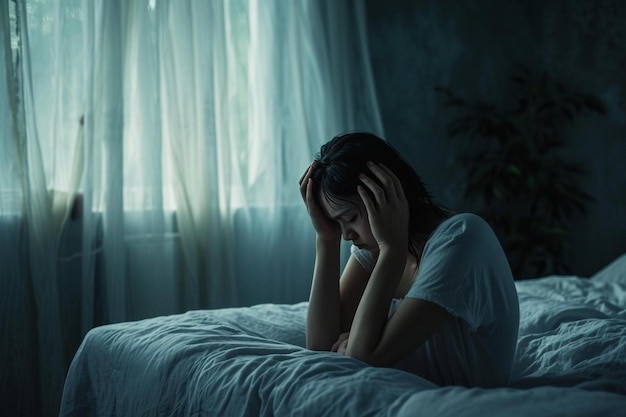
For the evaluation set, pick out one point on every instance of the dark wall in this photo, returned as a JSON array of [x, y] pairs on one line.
[[472, 46]]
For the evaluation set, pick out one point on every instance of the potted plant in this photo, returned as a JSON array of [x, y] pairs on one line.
[[518, 174]]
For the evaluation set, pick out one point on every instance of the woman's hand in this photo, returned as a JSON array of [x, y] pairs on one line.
[[388, 210], [325, 228], [341, 344]]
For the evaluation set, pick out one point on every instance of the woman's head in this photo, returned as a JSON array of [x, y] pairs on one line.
[[336, 175]]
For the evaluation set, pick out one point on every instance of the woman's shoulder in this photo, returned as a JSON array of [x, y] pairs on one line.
[[461, 224], [462, 234]]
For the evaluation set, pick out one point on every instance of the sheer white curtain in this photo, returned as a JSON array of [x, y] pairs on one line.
[[149, 161]]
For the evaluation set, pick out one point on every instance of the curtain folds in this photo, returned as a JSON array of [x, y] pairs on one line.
[[149, 158]]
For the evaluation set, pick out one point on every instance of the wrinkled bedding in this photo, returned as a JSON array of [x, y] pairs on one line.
[[571, 360]]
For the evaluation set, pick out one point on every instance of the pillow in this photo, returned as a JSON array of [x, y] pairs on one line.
[[613, 272]]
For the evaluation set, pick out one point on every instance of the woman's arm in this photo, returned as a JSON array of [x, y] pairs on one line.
[[324, 312], [414, 322], [373, 338], [333, 302], [326, 315], [371, 314]]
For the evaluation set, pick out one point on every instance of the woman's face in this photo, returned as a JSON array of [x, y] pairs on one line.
[[352, 218]]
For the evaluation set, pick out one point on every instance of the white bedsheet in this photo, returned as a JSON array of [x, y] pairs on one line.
[[250, 361], [572, 331]]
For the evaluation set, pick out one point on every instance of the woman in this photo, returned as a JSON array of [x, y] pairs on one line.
[[424, 289]]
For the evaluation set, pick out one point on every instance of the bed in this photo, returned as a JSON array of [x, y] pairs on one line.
[[571, 361]]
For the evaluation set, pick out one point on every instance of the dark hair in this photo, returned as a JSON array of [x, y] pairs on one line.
[[343, 158]]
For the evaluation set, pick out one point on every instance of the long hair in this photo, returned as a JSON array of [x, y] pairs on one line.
[[343, 158]]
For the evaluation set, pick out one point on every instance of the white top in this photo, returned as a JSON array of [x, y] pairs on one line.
[[464, 270]]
